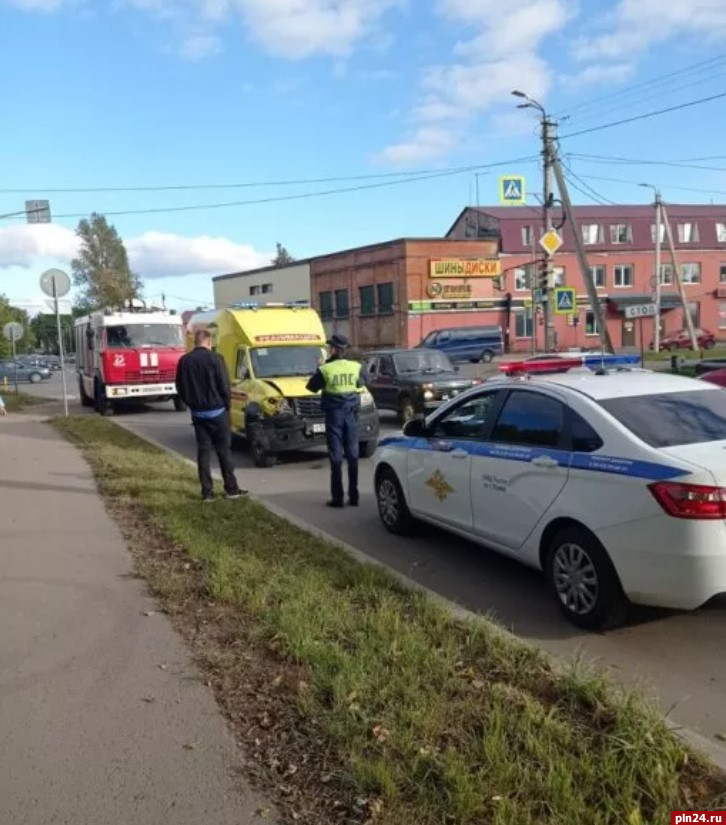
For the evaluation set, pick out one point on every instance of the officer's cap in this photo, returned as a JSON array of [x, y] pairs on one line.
[[338, 341]]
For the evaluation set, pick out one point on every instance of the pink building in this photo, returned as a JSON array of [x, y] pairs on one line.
[[620, 247]]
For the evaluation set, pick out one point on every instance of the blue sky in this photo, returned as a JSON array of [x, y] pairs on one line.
[[142, 93]]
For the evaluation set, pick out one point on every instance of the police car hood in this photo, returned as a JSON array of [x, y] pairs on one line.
[[709, 456]]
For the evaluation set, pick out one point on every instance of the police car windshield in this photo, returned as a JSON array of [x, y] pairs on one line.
[[271, 362], [673, 419], [429, 362], [136, 336]]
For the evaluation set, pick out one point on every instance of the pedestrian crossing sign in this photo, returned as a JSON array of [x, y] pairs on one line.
[[512, 190], [565, 300]]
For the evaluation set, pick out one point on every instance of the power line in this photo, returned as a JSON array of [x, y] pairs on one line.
[[242, 185], [593, 194], [620, 161], [656, 81], [644, 116], [299, 196], [668, 186]]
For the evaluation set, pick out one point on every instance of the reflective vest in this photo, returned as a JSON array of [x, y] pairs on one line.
[[341, 377]]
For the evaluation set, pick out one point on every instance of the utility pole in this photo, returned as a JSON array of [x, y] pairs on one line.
[[658, 244], [605, 341], [677, 276], [548, 128]]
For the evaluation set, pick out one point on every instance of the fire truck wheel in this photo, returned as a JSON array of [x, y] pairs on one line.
[[101, 403], [179, 405], [85, 400]]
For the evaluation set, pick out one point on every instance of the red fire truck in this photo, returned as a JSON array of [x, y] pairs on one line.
[[128, 356]]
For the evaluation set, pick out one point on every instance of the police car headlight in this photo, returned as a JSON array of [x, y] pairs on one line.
[[366, 399]]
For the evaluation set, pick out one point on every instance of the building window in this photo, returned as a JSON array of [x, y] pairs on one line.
[[653, 233], [255, 290], [621, 233], [591, 327], [592, 234], [623, 275], [385, 298], [721, 232], [666, 274], [326, 305], [597, 273], [694, 309], [722, 274], [688, 232], [367, 300], [527, 236], [558, 276], [521, 279], [691, 273], [722, 315], [523, 324], [266, 289], [342, 307]]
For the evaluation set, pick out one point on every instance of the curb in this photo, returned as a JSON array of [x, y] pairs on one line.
[[715, 752]]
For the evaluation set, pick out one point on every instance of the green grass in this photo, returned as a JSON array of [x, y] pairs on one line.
[[436, 720], [687, 354], [16, 403]]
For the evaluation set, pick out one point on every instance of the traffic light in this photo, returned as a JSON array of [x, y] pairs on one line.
[[543, 273]]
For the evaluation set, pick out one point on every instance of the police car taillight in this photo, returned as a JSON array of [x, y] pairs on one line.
[[690, 501]]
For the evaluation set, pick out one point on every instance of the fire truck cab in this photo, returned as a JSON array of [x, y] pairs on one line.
[[131, 355]]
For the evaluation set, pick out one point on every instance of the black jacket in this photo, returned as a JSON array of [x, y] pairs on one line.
[[202, 382]]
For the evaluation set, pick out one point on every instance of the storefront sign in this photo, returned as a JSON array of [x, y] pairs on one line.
[[466, 268], [437, 290], [450, 306]]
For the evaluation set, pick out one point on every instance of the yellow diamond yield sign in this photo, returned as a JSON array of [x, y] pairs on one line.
[[551, 241]]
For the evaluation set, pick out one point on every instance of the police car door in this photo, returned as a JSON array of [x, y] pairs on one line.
[[524, 468], [439, 468]]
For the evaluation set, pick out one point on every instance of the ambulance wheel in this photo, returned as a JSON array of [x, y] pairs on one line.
[[366, 449], [259, 448], [392, 507], [85, 400], [179, 405], [584, 581]]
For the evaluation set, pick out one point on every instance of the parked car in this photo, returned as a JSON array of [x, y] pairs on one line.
[[475, 344], [716, 376], [673, 341], [25, 372], [38, 361], [412, 382]]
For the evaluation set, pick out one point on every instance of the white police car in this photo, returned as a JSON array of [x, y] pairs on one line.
[[613, 483]]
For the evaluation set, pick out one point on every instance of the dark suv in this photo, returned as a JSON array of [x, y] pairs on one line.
[[412, 382]]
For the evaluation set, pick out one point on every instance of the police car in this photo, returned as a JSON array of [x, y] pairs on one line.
[[613, 482]]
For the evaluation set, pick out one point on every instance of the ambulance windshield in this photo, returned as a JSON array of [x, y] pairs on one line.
[[281, 362]]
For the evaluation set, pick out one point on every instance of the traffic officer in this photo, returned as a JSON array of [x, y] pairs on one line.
[[341, 383]]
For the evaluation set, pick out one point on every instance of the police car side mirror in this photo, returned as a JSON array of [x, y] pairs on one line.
[[416, 428]]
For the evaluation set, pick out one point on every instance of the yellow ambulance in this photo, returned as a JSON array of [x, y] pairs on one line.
[[271, 350]]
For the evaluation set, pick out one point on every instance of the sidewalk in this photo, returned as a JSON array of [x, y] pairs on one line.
[[93, 730]]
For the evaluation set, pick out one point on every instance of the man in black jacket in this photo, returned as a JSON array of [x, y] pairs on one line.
[[202, 384]]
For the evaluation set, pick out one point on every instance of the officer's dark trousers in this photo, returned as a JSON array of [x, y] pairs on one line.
[[214, 435], [341, 428]]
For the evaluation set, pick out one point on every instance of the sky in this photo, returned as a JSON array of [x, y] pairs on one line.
[[231, 125]]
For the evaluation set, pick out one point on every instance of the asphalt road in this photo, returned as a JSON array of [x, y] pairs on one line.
[[677, 657]]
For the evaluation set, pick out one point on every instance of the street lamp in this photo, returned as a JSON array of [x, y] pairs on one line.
[[531, 103]]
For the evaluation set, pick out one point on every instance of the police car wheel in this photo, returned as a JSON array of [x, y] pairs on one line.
[[584, 581], [392, 507]]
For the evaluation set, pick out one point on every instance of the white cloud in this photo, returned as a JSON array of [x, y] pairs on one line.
[[152, 255], [198, 46], [635, 25], [37, 5], [499, 55], [162, 255], [599, 73], [426, 143]]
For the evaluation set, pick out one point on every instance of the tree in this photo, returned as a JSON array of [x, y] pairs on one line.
[[283, 257], [101, 272], [45, 332], [10, 313]]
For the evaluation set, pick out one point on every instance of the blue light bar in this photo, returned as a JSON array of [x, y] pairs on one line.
[[595, 361]]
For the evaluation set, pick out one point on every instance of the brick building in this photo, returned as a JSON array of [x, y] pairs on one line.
[[620, 246], [395, 293]]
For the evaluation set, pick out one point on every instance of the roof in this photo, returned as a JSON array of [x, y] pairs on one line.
[[595, 211], [621, 384], [261, 270]]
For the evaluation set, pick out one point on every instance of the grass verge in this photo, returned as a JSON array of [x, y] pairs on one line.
[[356, 700], [21, 401]]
